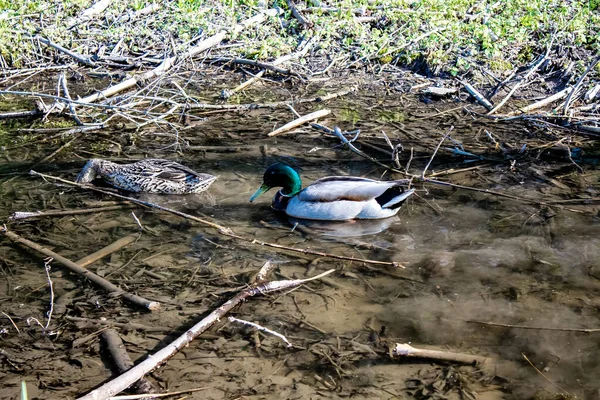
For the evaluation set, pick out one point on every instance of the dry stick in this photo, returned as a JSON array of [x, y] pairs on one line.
[[19, 215], [118, 352], [103, 283], [435, 152], [65, 88], [105, 251], [78, 57], [578, 84], [299, 121], [298, 15], [128, 378], [403, 350], [540, 328], [20, 114], [543, 102], [478, 96], [243, 61], [518, 84], [223, 230], [338, 133], [545, 377]]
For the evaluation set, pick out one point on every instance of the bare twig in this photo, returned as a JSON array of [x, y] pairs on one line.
[[228, 93], [543, 102], [435, 152], [262, 328], [544, 376], [19, 215], [47, 262], [298, 15], [522, 80], [78, 57]]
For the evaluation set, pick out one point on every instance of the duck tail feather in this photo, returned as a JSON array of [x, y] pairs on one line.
[[391, 198]]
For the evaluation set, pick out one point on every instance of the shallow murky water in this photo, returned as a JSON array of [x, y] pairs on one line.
[[470, 258]]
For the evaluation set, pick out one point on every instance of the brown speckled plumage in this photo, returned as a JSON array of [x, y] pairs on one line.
[[151, 175]]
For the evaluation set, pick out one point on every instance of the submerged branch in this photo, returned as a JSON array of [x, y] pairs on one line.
[[96, 279]]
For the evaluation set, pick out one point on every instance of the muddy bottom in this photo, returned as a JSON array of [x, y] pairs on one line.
[[470, 258]]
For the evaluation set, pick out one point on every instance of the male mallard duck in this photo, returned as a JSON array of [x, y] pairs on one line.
[[150, 175], [335, 198]]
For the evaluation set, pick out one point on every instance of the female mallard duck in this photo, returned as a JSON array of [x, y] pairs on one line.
[[150, 176], [335, 198]]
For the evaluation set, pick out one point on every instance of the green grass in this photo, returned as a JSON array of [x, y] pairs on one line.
[[449, 35]]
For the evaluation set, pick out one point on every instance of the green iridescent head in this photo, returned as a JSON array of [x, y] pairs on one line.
[[280, 175]]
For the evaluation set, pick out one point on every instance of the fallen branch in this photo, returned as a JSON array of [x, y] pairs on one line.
[[419, 178], [522, 80], [299, 121], [578, 84], [222, 230], [478, 96], [262, 328], [243, 61], [298, 15], [118, 352], [77, 57], [165, 65], [403, 350], [20, 215], [99, 281], [537, 328], [228, 93], [543, 102], [151, 363]]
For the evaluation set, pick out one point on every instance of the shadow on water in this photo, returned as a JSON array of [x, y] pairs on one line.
[[470, 258]]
